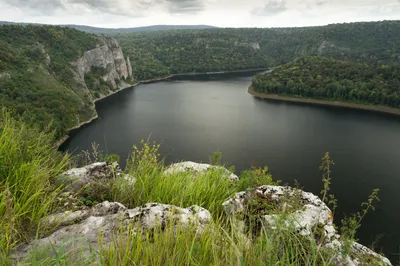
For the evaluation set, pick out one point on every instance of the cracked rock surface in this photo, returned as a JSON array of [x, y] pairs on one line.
[[306, 214], [79, 232], [197, 168]]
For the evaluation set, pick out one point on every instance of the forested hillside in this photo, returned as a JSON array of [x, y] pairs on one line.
[[161, 53], [322, 78], [37, 78], [97, 30], [35, 72], [157, 54]]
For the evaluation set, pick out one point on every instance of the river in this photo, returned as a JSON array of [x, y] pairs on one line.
[[194, 117]]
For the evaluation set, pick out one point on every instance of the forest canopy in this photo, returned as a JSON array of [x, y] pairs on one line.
[[323, 78], [161, 53]]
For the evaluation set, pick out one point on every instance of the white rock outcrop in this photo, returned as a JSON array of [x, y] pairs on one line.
[[5, 75], [108, 56], [313, 211], [196, 168], [252, 45], [311, 218], [77, 178], [81, 231], [130, 71]]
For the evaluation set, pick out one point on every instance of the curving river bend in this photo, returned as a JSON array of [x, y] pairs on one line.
[[193, 118]]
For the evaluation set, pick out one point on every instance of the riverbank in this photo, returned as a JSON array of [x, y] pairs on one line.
[[380, 109], [127, 85]]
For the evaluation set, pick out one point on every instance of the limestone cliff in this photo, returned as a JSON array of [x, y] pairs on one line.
[[108, 57]]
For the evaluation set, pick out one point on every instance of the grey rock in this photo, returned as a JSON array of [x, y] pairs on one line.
[[252, 45], [101, 224], [196, 168], [5, 75], [77, 178], [360, 250], [153, 215], [43, 51], [107, 55], [312, 213], [130, 72]]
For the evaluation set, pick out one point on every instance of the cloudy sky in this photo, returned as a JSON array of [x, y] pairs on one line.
[[223, 13]]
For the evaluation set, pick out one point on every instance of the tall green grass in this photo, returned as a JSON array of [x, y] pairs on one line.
[[216, 246], [209, 189], [28, 162]]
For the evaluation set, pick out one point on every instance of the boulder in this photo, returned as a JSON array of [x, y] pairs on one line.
[[305, 213], [80, 233], [76, 179], [196, 168], [153, 215]]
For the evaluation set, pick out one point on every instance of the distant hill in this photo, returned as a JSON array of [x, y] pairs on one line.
[[111, 31], [162, 53], [138, 29]]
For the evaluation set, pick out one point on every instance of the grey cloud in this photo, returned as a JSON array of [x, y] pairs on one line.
[[116, 7], [41, 6], [185, 6], [322, 2], [94, 3], [139, 7], [271, 7]]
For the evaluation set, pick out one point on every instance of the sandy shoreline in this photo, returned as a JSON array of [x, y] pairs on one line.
[[66, 137], [380, 109]]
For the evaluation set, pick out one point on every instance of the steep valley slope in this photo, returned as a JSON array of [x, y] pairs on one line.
[[53, 74]]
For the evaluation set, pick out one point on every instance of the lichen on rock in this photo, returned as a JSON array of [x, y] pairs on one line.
[[83, 233], [270, 207], [197, 168]]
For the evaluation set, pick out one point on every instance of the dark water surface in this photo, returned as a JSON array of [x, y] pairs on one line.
[[194, 118]]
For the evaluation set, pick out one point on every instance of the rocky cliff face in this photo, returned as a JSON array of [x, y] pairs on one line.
[[108, 56]]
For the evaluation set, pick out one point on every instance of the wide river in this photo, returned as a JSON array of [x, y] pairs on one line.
[[193, 118]]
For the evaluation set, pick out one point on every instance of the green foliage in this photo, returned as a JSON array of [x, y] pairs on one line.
[[28, 163], [43, 90], [255, 177], [329, 199], [323, 78], [95, 82], [209, 189], [216, 246], [161, 53], [35, 163], [352, 223]]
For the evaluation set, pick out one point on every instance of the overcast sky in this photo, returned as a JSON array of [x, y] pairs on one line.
[[223, 13]]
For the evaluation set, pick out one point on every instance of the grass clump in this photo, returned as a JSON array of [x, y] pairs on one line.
[[217, 245], [28, 162]]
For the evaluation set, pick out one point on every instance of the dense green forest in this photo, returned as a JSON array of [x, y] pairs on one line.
[[323, 78], [52, 75], [35, 73], [160, 53]]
